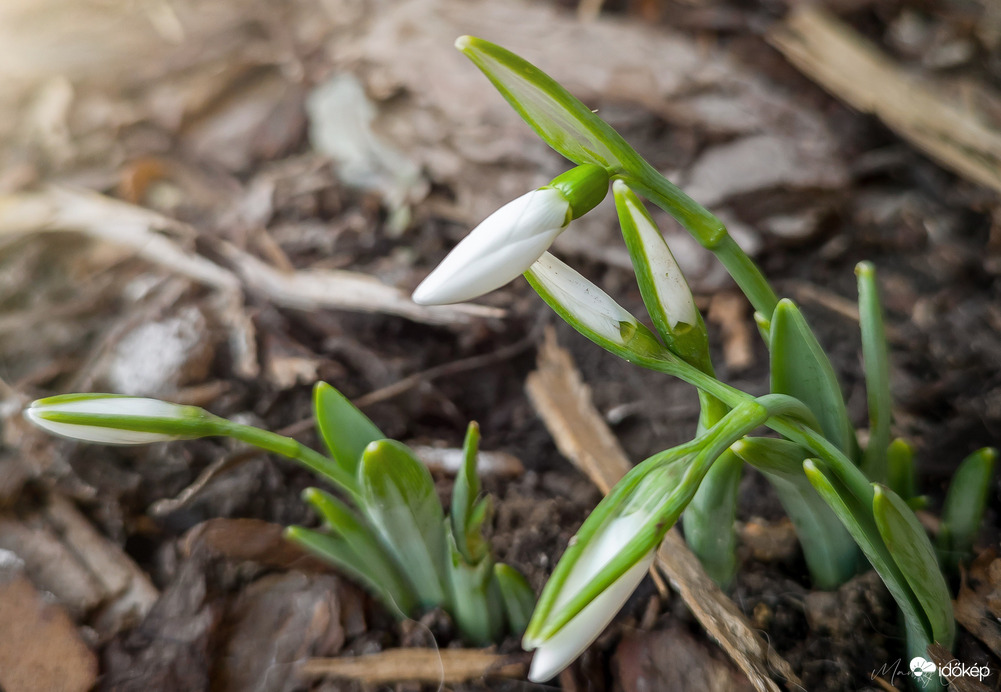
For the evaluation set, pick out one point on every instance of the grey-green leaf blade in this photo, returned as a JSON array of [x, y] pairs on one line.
[[911, 549], [345, 430], [801, 369], [401, 503]]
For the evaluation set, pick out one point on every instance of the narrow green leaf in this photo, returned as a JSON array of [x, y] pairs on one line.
[[964, 506], [464, 493], [910, 548], [876, 358], [345, 430], [518, 597], [857, 517], [800, 368], [830, 551], [709, 519], [336, 550], [900, 469], [401, 503], [372, 555], [558, 117]]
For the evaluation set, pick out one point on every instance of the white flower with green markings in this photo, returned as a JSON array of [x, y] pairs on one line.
[[115, 420]]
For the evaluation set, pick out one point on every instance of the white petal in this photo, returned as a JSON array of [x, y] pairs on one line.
[[557, 652], [587, 303], [498, 250], [91, 433]]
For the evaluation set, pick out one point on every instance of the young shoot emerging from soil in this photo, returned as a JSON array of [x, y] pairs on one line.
[[385, 528], [845, 501]]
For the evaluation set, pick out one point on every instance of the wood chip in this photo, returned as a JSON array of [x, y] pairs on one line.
[[978, 605], [852, 69], [251, 540], [65, 555], [40, 648], [433, 666], [729, 310], [564, 403]]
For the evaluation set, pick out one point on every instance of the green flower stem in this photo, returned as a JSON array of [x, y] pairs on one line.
[[290, 448], [708, 231]]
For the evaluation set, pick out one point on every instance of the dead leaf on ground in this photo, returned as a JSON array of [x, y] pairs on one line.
[[671, 659], [40, 648]]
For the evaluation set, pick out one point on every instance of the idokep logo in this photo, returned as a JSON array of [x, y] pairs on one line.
[[925, 673], [953, 670]]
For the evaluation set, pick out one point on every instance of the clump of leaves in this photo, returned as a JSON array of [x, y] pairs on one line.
[[384, 526]]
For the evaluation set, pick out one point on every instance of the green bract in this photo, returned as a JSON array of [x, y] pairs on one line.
[[387, 530], [831, 487]]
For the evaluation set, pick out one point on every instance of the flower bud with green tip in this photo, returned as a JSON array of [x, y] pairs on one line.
[[665, 291], [590, 310], [118, 420], [507, 243]]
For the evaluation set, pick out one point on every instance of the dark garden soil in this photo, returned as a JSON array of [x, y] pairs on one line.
[[211, 128]]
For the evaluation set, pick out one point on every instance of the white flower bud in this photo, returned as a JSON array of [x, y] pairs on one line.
[[583, 301], [111, 419], [498, 250]]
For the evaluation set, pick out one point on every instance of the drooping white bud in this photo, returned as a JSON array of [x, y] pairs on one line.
[[498, 250], [513, 237], [112, 419], [587, 304], [558, 651]]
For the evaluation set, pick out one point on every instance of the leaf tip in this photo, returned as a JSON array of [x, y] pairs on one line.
[[464, 43]]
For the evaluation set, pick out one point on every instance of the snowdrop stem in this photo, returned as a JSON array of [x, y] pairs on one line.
[[287, 447]]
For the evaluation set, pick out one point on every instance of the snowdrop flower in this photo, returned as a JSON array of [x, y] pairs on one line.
[[557, 652], [512, 238], [114, 419]]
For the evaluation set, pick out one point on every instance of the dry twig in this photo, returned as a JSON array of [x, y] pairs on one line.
[[448, 666], [854, 70]]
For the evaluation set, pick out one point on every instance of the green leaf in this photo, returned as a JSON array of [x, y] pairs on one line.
[[908, 543], [830, 551], [876, 360], [518, 597], [709, 519], [559, 118], [345, 430], [900, 469], [401, 503], [764, 325], [464, 493], [336, 550], [665, 291], [479, 617], [964, 506], [800, 368], [372, 556], [857, 516]]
